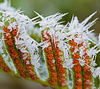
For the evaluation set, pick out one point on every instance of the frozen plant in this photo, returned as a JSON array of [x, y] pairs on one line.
[[66, 57]]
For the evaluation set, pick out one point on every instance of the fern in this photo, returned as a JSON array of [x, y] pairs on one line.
[[56, 55]]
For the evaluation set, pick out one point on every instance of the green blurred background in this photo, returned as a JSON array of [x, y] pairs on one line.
[[79, 8]]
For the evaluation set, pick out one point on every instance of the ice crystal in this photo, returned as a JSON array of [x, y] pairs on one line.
[[50, 21], [6, 5], [96, 72]]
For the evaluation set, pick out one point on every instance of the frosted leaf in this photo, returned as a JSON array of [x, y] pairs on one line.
[[6, 57], [80, 29], [32, 46], [16, 18]]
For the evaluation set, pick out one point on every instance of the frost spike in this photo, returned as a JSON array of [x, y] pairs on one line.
[[88, 18]]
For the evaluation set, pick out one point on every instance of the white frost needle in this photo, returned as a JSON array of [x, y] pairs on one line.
[[88, 18], [51, 20]]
